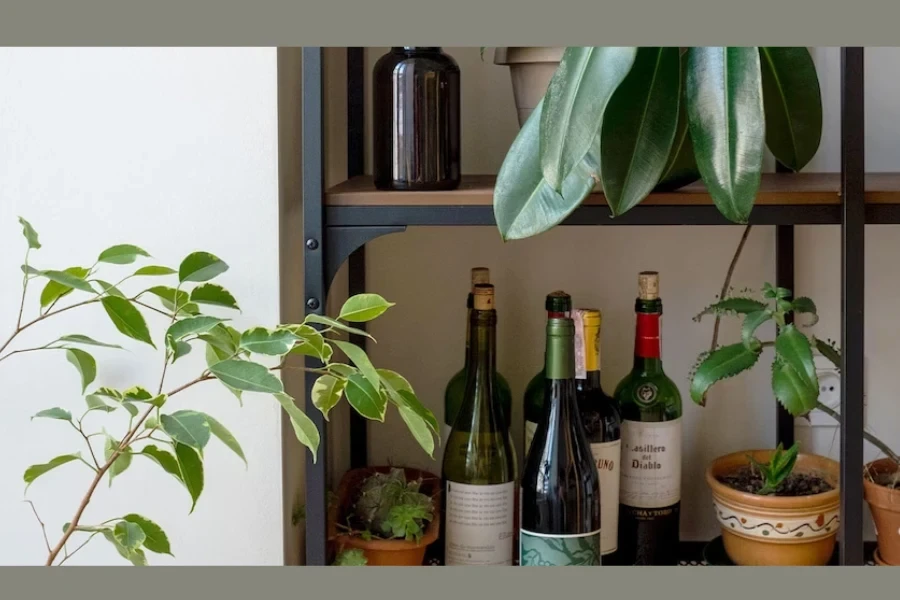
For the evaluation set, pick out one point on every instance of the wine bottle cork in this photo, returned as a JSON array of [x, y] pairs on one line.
[[480, 275], [483, 297], [648, 285]]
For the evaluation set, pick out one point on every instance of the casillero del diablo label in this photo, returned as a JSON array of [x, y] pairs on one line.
[[651, 463]]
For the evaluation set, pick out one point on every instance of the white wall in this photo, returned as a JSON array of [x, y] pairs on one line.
[[425, 271], [174, 150]]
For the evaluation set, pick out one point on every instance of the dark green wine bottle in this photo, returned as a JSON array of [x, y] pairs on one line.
[[479, 467], [560, 517], [456, 387], [602, 425], [558, 305], [650, 404]]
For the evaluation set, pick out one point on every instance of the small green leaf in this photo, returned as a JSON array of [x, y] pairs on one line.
[[804, 305], [151, 422], [730, 306], [35, 471], [364, 398], [155, 539], [95, 402], [323, 320], [830, 352], [402, 394], [54, 290], [792, 389], [326, 393], [225, 436], [122, 254], [67, 280], [220, 337], [215, 295], [136, 556], [304, 428], [108, 288], [86, 365], [342, 370], [191, 466], [752, 322], [793, 347], [412, 402], [312, 343], [30, 234], [131, 408], [364, 307], [154, 271], [720, 364], [110, 393], [187, 427], [138, 394], [214, 356], [419, 429], [353, 557], [165, 460], [54, 413], [122, 462], [247, 376], [83, 339], [260, 340], [201, 266], [359, 358], [191, 326], [782, 293], [181, 349], [129, 535], [169, 296], [127, 319]]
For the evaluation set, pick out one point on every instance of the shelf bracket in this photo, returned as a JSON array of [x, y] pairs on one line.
[[340, 242]]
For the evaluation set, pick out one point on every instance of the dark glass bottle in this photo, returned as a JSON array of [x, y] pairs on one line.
[[650, 403], [416, 120], [602, 423], [560, 524]]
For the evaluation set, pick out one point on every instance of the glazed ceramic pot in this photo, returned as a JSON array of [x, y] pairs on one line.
[[531, 69], [776, 530], [389, 553], [885, 506]]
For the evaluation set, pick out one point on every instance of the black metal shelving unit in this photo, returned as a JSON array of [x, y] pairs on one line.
[[338, 223]]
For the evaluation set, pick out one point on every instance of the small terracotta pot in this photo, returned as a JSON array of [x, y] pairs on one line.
[[531, 69], [392, 553], [885, 506], [777, 530]]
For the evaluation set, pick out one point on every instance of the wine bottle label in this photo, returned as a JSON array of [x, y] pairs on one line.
[[554, 550], [530, 429], [480, 524], [607, 457], [651, 463]]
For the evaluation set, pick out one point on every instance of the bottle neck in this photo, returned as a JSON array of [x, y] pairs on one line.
[[647, 346], [559, 372], [482, 358], [468, 329]]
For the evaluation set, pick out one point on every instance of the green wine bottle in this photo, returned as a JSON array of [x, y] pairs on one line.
[[602, 424], [479, 467], [560, 523], [650, 404], [558, 305], [456, 387]]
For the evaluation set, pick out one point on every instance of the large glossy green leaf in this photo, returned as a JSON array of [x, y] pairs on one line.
[[574, 104], [727, 124], [55, 290], [524, 203], [792, 389], [793, 103], [681, 166], [639, 127], [127, 319], [720, 364], [794, 349], [304, 428]]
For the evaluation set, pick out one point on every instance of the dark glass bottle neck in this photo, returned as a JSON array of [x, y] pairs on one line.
[[592, 380], [647, 346], [417, 49]]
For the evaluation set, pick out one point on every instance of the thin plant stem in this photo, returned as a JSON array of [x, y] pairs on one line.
[[727, 284], [43, 527]]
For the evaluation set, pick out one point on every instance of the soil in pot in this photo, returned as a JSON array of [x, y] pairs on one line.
[[748, 479]]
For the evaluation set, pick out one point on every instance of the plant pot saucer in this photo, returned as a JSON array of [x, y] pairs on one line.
[[714, 555]]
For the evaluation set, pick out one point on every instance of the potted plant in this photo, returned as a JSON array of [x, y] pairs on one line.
[[389, 514], [782, 507], [158, 428], [531, 68], [632, 120]]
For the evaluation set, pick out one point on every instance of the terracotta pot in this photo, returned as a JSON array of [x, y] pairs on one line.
[[531, 69], [395, 553], [885, 506], [777, 530]]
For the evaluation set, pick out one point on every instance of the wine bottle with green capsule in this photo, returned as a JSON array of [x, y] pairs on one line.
[[479, 465], [560, 514]]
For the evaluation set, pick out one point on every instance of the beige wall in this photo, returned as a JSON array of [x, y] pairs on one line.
[[425, 271]]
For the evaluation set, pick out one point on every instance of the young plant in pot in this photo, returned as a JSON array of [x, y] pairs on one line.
[[778, 507], [384, 516], [637, 120]]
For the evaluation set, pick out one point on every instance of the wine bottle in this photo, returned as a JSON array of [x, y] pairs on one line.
[[479, 469], [560, 521], [600, 418], [650, 404], [558, 305], [456, 387]]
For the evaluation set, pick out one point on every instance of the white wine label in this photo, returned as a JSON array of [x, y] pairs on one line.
[[556, 550], [530, 428], [651, 463], [607, 457], [480, 524]]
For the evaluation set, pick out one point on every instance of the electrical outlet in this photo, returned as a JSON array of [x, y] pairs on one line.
[[829, 393]]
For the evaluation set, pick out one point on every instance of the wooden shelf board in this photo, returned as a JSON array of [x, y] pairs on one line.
[[775, 189]]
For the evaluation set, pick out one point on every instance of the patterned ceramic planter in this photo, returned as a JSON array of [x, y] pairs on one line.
[[777, 530], [885, 506]]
